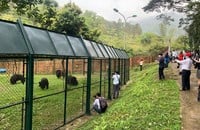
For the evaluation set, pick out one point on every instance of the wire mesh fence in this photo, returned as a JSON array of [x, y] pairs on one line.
[[59, 90]]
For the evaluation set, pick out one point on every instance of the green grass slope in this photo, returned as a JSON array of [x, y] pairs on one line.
[[145, 104]]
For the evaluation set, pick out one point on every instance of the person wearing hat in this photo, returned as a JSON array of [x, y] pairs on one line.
[[186, 65]]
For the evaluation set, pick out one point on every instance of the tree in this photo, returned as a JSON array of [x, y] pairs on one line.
[[137, 30], [146, 38], [50, 3], [21, 6], [183, 40], [193, 29], [159, 5], [44, 15], [71, 22], [190, 8], [164, 28], [48, 17]]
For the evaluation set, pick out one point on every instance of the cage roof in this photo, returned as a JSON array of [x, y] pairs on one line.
[[21, 40]]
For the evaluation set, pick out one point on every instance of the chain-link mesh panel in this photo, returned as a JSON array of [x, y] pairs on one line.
[[76, 94], [12, 118], [76, 102], [48, 112], [12, 82], [12, 93], [48, 94]]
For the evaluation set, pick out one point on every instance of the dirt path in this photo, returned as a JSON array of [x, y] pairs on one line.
[[190, 107]]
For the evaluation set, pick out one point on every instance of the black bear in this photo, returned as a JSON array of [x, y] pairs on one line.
[[44, 83], [60, 73], [72, 80], [17, 77]]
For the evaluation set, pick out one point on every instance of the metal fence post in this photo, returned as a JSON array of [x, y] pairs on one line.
[[124, 71], [29, 94], [100, 84], [109, 79], [88, 94], [65, 101]]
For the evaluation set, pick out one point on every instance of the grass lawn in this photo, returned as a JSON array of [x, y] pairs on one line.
[[145, 104], [48, 112]]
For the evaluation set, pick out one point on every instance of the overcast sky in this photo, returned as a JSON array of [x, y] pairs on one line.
[[104, 8]]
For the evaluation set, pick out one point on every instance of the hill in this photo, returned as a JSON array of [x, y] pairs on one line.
[[151, 24]]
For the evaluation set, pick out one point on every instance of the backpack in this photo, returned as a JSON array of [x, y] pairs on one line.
[[103, 104]]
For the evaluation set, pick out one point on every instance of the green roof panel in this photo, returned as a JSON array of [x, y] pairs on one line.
[[108, 51], [12, 41], [40, 41], [90, 48], [96, 47], [78, 46], [120, 54], [61, 44], [124, 54], [114, 52], [101, 46]]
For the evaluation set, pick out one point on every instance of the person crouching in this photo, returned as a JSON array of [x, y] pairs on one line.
[[96, 103]]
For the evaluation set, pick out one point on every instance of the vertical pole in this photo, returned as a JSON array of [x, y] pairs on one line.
[[124, 34], [88, 94], [109, 79], [29, 94], [100, 84], [124, 71], [72, 66], [128, 69], [22, 119], [65, 100], [119, 67]]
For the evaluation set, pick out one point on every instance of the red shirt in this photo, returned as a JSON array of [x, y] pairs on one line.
[[180, 56]]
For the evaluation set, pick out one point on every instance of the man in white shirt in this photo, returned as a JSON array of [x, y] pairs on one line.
[[186, 66], [100, 104], [116, 85], [96, 103]]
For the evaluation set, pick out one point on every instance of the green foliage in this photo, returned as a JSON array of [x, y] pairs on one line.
[[183, 41], [48, 18], [21, 6], [69, 20], [194, 27], [163, 29], [50, 3], [146, 38], [144, 104], [191, 22]]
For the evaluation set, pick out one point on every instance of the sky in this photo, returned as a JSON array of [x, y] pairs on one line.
[[105, 8]]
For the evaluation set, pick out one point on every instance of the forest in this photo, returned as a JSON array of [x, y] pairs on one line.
[[71, 20]]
